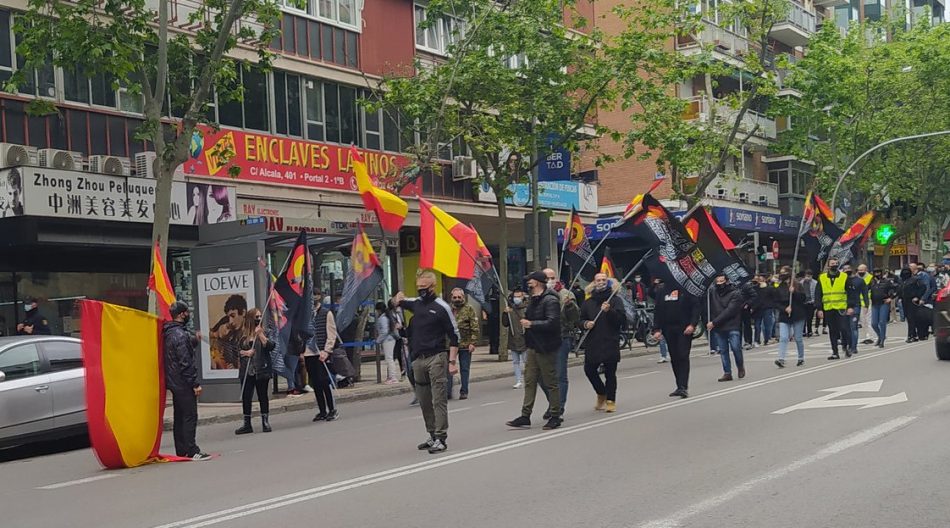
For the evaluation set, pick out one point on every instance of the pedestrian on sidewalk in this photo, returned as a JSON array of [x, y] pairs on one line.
[[831, 296], [675, 318], [791, 321], [181, 378], [434, 343], [857, 294], [255, 370], [469, 329], [386, 339], [725, 308], [602, 317], [883, 291], [318, 351], [517, 348], [542, 325]]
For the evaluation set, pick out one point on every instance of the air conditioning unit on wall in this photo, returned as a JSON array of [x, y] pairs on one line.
[[144, 164], [12, 155], [464, 168], [114, 165], [60, 159]]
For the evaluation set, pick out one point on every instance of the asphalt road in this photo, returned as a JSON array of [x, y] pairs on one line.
[[749, 453]]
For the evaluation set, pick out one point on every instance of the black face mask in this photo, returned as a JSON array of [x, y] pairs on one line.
[[187, 319], [458, 303], [833, 268], [258, 321], [426, 294]]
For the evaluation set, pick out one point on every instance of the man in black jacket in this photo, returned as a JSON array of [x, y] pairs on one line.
[[857, 292], [725, 308], [675, 317], [883, 291], [542, 329], [434, 349], [181, 378], [602, 316]]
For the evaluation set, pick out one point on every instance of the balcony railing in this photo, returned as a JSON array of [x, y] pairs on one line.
[[720, 39], [802, 17], [743, 190], [752, 122]]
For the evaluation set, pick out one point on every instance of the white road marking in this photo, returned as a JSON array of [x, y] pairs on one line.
[[289, 499], [460, 409], [79, 481], [830, 400], [492, 403], [641, 375], [863, 437]]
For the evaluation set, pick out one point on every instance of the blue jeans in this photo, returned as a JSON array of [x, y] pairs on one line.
[[517, 361], [853, 320], [664, 350], [764, 325], [292, 361], [725, 340], [465, 368], [796, 329], [880, 316]]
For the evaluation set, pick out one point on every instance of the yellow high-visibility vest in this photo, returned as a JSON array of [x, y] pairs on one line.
[[867, 280], [834, 295]]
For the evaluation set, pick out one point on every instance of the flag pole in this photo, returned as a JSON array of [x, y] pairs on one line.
[[589, 257], [612, 294], [798, 239]]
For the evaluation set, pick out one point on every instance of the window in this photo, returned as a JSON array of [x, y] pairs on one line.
[[287, 102], [313, 92], [440, 35], [19, 362], [372, 123], [252, 111], [62, 355], [6, 47]]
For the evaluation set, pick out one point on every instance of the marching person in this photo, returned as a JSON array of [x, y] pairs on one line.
[[808, 286], [602, 316], [255, 370], [542, 325], [791, 320], [469, 329], [865, 319], [516, 344], [316, 354], [726, 315], [34, 323], [675, 317], [883, 291], [910, 290], [434, 344], [386, 337], [569, 317], [831, 296], [181, 378], [857, 293]]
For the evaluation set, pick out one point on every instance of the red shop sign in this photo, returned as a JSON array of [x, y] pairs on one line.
[[265, 158]]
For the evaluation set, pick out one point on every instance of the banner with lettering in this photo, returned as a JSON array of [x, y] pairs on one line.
[[223, 301], [278, 160]]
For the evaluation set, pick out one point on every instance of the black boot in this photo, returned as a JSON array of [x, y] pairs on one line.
[[246, 428], [265, 424]]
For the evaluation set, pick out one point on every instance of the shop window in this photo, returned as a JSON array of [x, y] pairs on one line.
[[314, 95], [287, 103], [349, 131]]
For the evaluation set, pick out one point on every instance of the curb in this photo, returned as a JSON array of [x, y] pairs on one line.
[[300, 404]]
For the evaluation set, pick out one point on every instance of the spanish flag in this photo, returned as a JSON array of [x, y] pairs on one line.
[[159, 283], [607, 266], [390, 209], [364, 277], [632, 206], [448, 246], [125, 383]]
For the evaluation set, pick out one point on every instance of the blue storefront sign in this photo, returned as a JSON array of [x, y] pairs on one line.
[[755, 221], [559, 195], [556, 166]]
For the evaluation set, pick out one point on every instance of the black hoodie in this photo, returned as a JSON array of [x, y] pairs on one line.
[[725, 307]]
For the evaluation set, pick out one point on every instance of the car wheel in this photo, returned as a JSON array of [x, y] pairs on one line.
[[943, 351]]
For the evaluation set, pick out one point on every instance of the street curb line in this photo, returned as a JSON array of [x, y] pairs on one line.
[[303, 403]]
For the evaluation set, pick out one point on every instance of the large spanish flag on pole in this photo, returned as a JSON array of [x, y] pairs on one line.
[[159, 283], [448, 246], [390, 209], [125, 383]]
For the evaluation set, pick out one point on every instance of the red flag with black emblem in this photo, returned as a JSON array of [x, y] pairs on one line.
[[291, 302], [364, 277]]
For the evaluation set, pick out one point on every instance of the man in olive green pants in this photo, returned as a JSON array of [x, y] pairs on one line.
[[541, 367], [431, 390]]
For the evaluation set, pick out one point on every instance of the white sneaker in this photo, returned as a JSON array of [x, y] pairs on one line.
[[307, 388], [662, 360], [518, 385]]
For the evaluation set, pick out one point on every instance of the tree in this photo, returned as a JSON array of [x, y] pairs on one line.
[[879, 82], [132, 44], [518, 83], [695, 140]]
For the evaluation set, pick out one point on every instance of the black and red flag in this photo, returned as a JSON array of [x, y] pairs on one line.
[[716, 245], [607, 265], [481, 284], [290, 304], [844, 248], [576, 250], [819, 230], [364, 277]]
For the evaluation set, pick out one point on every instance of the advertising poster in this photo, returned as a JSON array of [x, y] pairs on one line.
[[223, 301]]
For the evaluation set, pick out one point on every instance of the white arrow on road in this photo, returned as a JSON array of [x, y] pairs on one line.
[[828, 400]]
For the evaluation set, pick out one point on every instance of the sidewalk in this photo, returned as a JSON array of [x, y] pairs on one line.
[[484, 367]]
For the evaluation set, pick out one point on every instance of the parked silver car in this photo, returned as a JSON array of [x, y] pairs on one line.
[[41, 389]]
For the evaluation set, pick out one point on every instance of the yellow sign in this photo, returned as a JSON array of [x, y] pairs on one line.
[[896, 250]]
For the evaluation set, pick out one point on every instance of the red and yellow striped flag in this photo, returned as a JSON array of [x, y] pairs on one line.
[[125, 384], [448, 246], [390, 209], [159, 283]]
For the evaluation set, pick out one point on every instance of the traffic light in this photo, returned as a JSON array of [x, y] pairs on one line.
[[884, 234], [761, 252]]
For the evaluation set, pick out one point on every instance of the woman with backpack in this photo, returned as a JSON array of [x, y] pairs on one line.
[[255, 369], [386, 339]]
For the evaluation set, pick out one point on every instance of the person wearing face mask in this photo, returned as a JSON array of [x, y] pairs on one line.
[[883, 291], [569, 316], [675, 318], [181, 379], [791, 322], [516, 344], [469, 329], [34, 323], [255, 369], [831, 296], [434, 345], [725, 312], [866, 307], [602, 316], [319, 349], [857, 293]]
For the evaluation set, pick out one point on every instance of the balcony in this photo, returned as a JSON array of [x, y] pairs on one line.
[[743, 190], [830, 3], [727, 45], [797, 28], [760, 126]]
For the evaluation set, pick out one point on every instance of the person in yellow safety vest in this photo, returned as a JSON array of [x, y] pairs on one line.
[[831, 298], [866, 305]]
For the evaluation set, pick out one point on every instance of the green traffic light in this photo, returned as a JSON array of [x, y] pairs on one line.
[[884, 234]]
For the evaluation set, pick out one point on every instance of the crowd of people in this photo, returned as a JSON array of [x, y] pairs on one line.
[[540, 322]]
